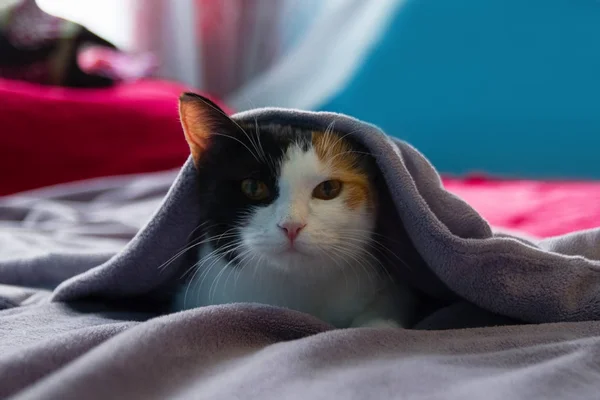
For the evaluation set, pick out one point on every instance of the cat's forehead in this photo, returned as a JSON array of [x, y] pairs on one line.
[[302, 165], [288, 151], [326, 143]]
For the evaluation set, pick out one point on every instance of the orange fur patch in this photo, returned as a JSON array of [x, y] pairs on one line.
[[338, 153]]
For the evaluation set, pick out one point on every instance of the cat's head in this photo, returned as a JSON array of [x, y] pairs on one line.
[[284, 197]]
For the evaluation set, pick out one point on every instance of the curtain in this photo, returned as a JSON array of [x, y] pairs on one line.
[[219, 46], [216, 46], [251, 53]]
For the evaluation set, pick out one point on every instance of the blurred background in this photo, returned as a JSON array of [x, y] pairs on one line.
[[501, 95]]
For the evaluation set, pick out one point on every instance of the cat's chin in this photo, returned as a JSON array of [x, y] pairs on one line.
[[290, 260], [293, 252], [285, 251], [290, 255]]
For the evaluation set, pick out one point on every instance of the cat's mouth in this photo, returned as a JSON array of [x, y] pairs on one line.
[[281, 250], [291, 250]]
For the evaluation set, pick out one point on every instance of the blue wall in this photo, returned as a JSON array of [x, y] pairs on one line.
[[509, 87]]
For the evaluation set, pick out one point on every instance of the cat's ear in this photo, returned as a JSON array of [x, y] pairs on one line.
[[200, 118]]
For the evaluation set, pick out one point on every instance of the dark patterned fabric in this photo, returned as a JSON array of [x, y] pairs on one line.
[[38, 47]]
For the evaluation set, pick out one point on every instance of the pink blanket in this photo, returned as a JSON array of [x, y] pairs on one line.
[[538, 208], [51, 135]]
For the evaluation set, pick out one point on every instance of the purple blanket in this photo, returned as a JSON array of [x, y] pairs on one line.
[[82, 301]]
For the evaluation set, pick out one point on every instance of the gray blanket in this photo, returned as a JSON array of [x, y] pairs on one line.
[[82, 311]]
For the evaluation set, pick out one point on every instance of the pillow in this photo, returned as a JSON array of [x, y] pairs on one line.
[[51, 135], [507, 87]]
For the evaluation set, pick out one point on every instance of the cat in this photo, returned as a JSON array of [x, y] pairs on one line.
[[289, 220]]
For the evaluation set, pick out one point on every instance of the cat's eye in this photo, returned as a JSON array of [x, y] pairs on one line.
[[328, 190], [255, 189]]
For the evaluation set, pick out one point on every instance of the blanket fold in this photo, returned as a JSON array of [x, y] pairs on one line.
[[554, 280]]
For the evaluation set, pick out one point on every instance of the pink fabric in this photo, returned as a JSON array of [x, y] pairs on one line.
[[51, 135], [115, 64], [538, 208]]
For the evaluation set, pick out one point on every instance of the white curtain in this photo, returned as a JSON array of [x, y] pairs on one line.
[[322, 60], [288, 53], [220, 46]]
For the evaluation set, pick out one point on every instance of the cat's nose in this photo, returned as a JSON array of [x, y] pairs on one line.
[[291, 229]]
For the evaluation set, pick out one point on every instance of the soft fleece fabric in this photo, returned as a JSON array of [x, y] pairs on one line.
[[95, 336]]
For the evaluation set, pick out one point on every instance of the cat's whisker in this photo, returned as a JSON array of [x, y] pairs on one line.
[[253, 142], [336, 262], [215, 255], [240, 269], [342, 137], [373, 243], [206, 271], [239, 265], [218, 254], [206, 229], [198, 267], [328, 134], [215, 282], [256, 266], [222, 249], [361, 260], [272, 163], [196, 229], [383, 253], [354, 265], [346, 256], [189, 284], [260, 146], [343, 153], [240, 142], [367, 232], [188, 248], [225, 234], [382, 269], [364, 233]]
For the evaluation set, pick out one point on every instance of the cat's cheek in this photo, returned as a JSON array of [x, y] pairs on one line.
[[261, 241], [246, 242]]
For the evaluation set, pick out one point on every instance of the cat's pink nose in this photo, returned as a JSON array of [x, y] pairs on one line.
[[291, 229]]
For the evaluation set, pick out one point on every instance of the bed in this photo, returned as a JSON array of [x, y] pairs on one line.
[[120, 347]]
